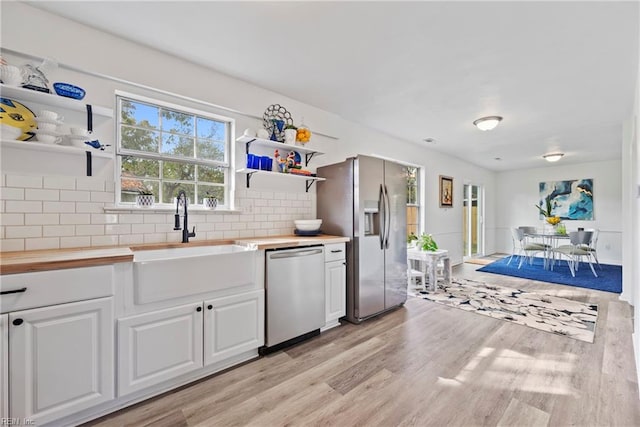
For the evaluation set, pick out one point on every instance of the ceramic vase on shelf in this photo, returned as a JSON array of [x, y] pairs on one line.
[[290, 136]]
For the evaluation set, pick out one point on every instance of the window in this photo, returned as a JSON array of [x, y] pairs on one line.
[[413, 200], [167, 148]]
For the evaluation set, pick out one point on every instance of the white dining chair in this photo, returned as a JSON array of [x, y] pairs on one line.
[[522, 248], [576, 252]]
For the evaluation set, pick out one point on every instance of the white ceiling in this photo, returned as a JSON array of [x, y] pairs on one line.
[[562, 74]]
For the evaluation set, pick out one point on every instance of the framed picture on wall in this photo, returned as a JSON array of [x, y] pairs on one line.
[[446, 191]]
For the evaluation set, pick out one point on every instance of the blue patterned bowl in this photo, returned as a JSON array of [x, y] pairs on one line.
[[69, 90]]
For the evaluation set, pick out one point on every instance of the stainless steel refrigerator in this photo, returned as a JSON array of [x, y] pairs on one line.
[[365, 198]]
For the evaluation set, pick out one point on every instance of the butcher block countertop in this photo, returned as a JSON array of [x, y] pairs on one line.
[[277, 242], [56, 259]]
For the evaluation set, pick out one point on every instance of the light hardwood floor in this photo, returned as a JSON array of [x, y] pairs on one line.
[[424, 364]]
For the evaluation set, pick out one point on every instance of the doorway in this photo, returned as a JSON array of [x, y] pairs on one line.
[[472, 215]]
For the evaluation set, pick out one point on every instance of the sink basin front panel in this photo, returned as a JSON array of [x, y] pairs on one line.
[[173, 273]]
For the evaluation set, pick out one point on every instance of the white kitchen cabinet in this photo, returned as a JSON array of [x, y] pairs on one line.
[[233, 325], [61, 359], [4, 367], [335, 276], [158, 346]]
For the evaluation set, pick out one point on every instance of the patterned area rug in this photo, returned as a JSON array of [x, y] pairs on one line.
[[544, 312]]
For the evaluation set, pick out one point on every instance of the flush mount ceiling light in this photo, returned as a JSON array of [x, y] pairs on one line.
[[487, 123], [553, 157]]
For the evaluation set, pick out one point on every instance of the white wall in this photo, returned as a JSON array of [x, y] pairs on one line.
[[83, 47], [517, 195]]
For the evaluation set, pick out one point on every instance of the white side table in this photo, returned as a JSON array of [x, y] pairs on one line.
[[429, 262]]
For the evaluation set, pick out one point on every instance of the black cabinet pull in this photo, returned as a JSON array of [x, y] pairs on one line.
[[18, 322], [210, 307], [14, 291], [344, 263], [199, 309], [335, 251]]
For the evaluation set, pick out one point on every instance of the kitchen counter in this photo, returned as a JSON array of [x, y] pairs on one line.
[[56, 259], [290, 241]]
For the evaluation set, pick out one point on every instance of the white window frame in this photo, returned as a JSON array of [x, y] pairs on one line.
[[228, 164], [419, 196]]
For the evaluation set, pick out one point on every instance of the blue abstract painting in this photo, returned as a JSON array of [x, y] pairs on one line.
[[571, 199]]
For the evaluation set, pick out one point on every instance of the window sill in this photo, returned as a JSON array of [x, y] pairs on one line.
[[165, 209]]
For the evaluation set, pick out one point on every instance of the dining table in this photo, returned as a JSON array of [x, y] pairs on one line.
[[550, 240], [428, 261]]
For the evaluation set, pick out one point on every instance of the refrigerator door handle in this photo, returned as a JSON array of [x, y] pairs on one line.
[[381, 217], [387, 217]]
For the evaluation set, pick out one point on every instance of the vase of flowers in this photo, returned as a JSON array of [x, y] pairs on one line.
[[426, 243], [549, 217]]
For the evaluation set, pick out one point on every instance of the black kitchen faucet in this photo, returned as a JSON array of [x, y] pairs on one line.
[[185, 228]]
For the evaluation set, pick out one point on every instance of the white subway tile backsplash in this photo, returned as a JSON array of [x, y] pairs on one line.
[[2, 179], [89, 207], [75, 218], [7, 193], [104, 240], [75, 196], [104, 218], [131, 218], [67, 212], [23, 181], [131, 239], [99, 196], [231, 234], [10, 245], [23, 231], [89, 230], [117, 229], [12, 219], [90, 184], [42, 219], [215, 218], [42, 243], [214, 235], [157, 238], [58, 230], [41, 194], [60, 207], [75, 242], [143, 228], [60, 182]]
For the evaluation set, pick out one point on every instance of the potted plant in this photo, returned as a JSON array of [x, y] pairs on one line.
[[145, 197], [290, 132], [210, 201], [426, 243], [411, 239]]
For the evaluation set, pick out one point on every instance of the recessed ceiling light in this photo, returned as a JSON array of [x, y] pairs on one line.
[[553, 157], [487, 123]]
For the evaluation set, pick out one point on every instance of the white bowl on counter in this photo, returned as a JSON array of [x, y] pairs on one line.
[[308, 224]]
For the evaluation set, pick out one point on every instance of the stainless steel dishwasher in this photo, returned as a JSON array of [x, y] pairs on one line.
[[295, 295]]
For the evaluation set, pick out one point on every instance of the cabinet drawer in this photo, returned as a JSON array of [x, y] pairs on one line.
[[45, 288], [334, 252]]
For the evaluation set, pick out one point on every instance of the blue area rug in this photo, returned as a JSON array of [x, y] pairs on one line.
[[609, 277]]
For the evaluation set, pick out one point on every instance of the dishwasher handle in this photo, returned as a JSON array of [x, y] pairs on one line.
[[294, 254]]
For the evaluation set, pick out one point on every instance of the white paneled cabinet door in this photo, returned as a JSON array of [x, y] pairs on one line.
[[4, 367], [233, 325], [61, 359], [158, 346], [335, 275]]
